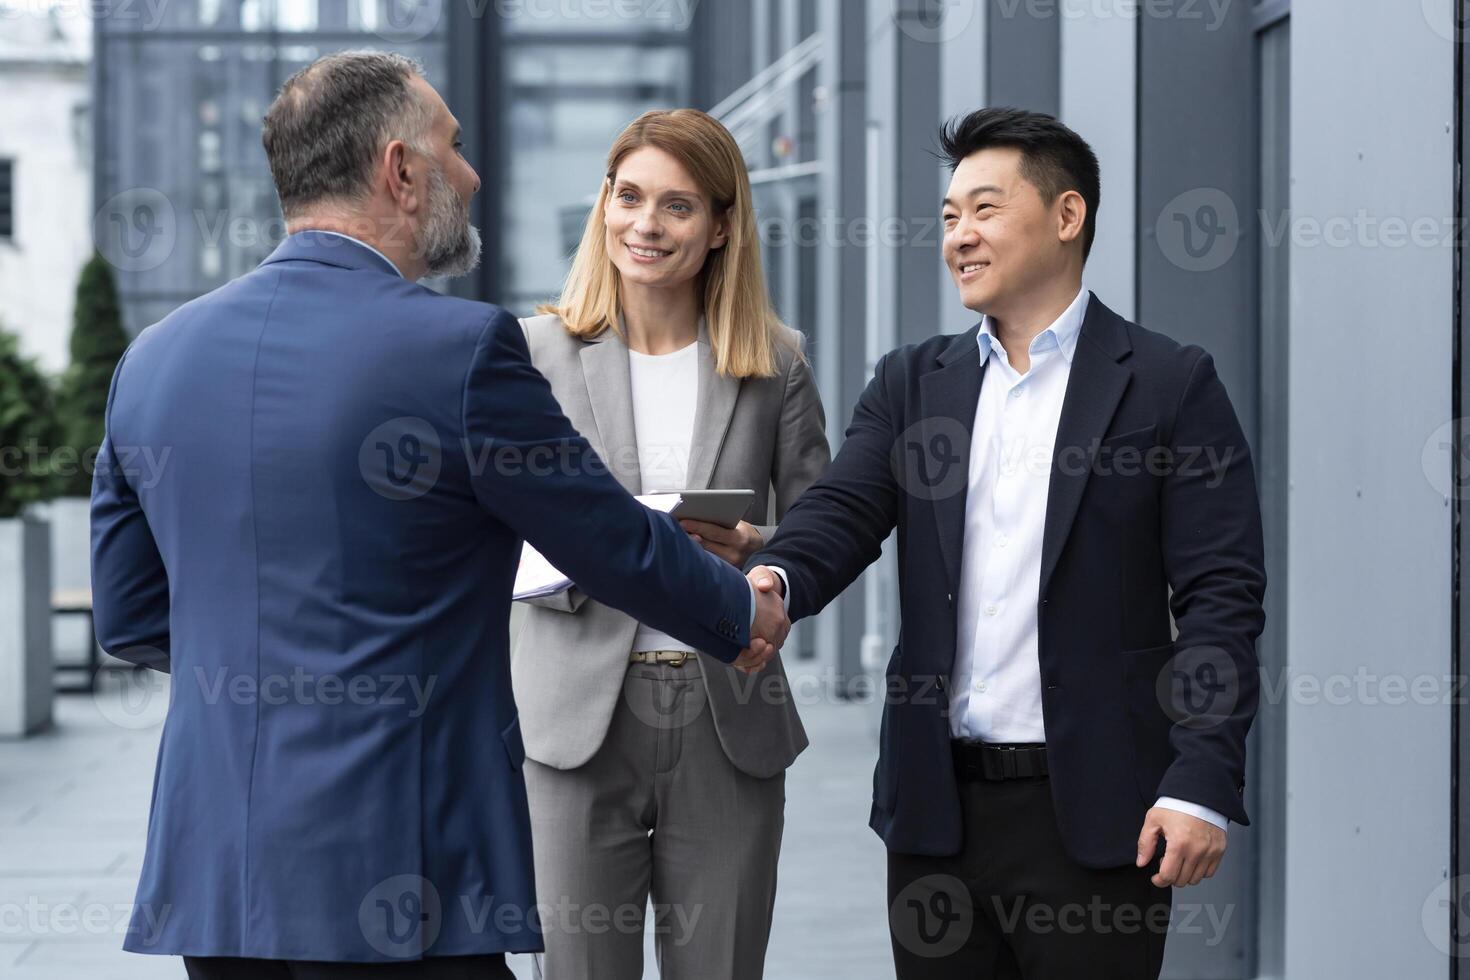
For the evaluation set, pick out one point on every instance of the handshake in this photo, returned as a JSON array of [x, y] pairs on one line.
[[736, 545], [771, 622]]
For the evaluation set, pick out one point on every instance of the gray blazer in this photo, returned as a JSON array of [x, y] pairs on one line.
[[763, 434]]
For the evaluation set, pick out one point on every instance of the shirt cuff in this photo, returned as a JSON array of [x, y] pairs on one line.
[[1195, 810], [785, 587], [753, 607]]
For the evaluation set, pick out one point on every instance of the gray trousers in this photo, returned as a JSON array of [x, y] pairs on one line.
[[659, 812]]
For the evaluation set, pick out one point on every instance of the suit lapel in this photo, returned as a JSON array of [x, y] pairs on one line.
[[948, 399], [714, 407], [1094, 388], [610, 390]]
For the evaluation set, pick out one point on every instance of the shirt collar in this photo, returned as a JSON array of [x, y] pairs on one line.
[[1062, 334], [364, 244]]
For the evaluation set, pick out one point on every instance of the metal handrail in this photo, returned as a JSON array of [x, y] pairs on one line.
[[808, 49]]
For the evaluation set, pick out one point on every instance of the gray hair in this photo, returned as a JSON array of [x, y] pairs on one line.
[[325, 129]]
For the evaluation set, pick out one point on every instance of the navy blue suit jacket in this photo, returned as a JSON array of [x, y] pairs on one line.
[[309, 508], [1151, 488]]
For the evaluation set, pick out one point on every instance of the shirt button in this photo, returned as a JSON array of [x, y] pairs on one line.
[[1016, 392], [980, 686], [991, 610], [1000, 540]]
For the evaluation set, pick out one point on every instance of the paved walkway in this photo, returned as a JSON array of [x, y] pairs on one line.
[[74, 808]]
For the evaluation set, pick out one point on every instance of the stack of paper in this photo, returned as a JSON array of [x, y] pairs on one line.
[[536, 577]]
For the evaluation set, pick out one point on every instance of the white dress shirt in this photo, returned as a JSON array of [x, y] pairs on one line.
[[665, 393], [363, 244], [996, 681]]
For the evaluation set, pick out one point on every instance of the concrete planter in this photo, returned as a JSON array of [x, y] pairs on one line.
[[71, 573], [25, 626], [71, 543]]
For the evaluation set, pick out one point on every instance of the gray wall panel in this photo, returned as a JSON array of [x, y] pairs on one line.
[[1099, 51], [1196, 275], [962, 89], [1267, 789], [1023, 55], [720, 47], [1368, 816]]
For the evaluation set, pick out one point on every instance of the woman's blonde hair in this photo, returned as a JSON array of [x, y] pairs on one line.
[[743, 328]]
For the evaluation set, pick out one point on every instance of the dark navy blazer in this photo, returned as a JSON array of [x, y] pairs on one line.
[[309, 509], [1151, 489]]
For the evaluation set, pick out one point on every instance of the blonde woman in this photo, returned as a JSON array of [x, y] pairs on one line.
[[656, 771]]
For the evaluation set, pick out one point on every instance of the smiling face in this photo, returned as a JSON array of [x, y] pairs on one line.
[[1002, 242], [660, 226]]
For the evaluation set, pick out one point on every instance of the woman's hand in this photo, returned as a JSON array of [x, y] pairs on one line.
[[735, 545]]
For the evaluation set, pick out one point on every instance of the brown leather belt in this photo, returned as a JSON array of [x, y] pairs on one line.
[[674, 658]]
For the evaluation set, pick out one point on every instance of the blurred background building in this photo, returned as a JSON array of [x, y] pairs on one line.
[[45, 174], [184, 196], [1282, 184]]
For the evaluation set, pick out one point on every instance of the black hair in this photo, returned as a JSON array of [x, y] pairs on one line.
[[1054, 159]]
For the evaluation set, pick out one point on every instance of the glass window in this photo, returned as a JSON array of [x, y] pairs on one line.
[[363, 15], [178, 129], [252, 15], [575, 17], [296, 15], [7, 198], [562, 111]]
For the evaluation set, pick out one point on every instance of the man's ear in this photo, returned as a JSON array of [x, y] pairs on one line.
[[405, 180], [1071, 216]]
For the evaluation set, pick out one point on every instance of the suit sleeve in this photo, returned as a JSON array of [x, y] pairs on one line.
[[837, 527], [544, 481], [130, 604], [1215, 561], [568, 600]]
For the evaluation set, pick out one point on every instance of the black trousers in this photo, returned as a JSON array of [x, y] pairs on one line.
[[1013, 906], [435, 968]]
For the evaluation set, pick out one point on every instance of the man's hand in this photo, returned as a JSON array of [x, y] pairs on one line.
[[734, 545], [1194, 849], [766, 580], [771, 623]]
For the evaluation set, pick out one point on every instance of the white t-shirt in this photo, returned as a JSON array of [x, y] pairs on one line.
[[665, 392]]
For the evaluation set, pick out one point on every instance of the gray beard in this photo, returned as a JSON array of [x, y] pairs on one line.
[[449, 244]]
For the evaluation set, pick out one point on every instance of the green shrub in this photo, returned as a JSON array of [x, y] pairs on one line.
[[28, 430], [97, 343]]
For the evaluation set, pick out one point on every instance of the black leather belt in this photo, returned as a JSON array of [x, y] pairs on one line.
[[974, 759]]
